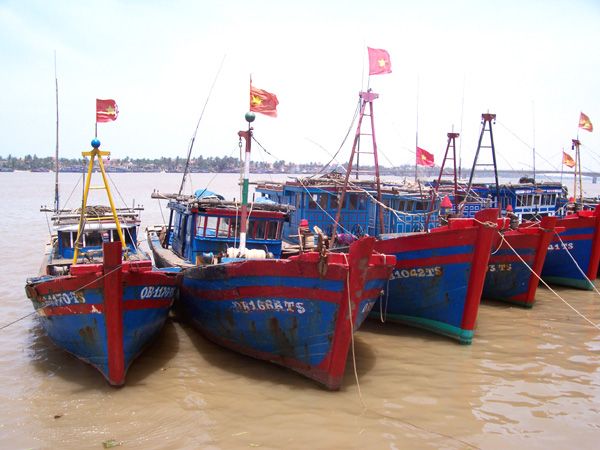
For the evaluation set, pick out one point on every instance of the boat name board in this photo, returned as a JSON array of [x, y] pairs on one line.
[[269, 305], [501, 267]]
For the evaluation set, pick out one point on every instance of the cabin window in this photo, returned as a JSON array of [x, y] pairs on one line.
[[93, 239], [297, 200], [520, 201], [420, 206], [66, 241], [259, 229], [182, 226], [356, 202], [312, 201], [401, 206], [334, 201], [410, 205], [211, 226], [323, 200], [272, 228], [223, 227]]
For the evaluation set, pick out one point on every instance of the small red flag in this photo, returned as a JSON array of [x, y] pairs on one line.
[[567, 160], [379, 61], [424, 158], [263, 102], [585, 122], [106, 110]]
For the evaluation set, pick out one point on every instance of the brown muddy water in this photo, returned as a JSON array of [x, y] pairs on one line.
[[531, 378]]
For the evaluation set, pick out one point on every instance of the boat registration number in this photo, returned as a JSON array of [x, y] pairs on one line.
[[269, 305], [417, 272], [157, 292], [563, 245], [63, 298], [502, 267]]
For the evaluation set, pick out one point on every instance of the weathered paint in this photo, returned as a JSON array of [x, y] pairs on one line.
[[438, 278], [297, 312], [581, 239], [508, 277], [107, 333]]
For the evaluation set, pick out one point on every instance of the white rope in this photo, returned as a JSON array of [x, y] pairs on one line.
[[575, 262], [546, 284]]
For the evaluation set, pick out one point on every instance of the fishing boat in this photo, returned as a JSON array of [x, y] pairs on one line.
[[299, 312], [97, 295], [438, 279], [573, 254], [518, 255], [518, 250], [440, 269]]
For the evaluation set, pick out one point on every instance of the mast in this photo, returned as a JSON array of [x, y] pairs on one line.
[[417, 132], [56, 168], [165, 244], [486, 120], [575, 145], [366, 98], [533, 124], [450, 146], [93, 154], [247, 135]]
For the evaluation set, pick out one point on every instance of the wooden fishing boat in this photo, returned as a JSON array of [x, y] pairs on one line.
[[574, 254], [97, 295], [516, 262], [299, 312], [438, 279]]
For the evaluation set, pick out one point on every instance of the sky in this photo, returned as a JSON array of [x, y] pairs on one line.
[[535, 64]]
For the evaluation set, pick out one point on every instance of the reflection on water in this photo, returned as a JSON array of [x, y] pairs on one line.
[[530, 379]]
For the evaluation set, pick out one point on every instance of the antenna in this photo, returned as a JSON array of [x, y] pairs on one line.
[[56, 197]]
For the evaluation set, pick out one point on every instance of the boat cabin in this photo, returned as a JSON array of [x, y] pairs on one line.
[[317, 201], [205, 228], [93, 236]]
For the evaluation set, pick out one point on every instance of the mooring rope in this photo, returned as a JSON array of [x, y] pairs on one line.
[[546, 284], [50, 304], [575, 262], [360, 396]]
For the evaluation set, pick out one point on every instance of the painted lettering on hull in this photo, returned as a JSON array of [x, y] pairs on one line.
[[268, 305], [417, 272]]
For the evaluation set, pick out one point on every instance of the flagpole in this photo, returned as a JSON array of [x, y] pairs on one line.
[[247, 135], [562, 166], [417, 131], [533, 125], [56, 193]]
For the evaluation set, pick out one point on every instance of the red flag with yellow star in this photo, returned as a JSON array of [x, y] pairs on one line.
[[424, 158], [585, 122], [568, 160], [379, 61], [263, 102], [106, 110]]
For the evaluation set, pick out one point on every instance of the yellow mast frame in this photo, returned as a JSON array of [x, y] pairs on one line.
[[96, 153]]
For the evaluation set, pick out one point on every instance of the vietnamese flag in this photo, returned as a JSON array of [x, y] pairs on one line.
[[263, 102], [106, 110], [585, 122], [424, 158], [567, 160], [379, 61]]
